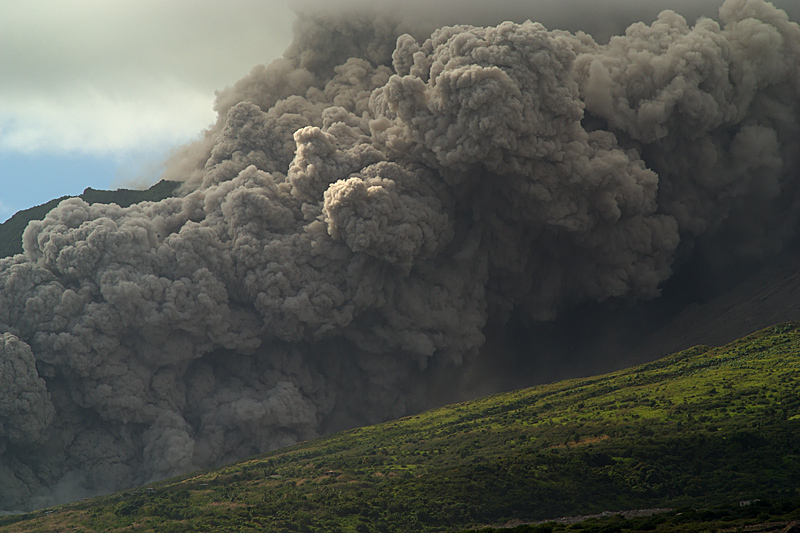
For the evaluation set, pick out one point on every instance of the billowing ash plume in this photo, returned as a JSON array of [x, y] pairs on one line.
[[360, 211]]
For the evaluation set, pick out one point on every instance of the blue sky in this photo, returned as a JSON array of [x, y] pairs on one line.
[[30, 179]]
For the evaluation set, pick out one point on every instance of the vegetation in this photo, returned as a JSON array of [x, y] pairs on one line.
[[699, 429], [758, 516], [12, 229]]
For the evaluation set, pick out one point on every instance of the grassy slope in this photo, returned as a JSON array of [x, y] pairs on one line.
[[699, 428], [11, 230], [759, 517]]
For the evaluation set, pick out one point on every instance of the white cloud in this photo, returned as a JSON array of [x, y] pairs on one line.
[[93, 121], [95, 76], [98, 76]]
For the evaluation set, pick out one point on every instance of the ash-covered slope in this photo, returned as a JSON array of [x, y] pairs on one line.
[[370, 217], [767, 297]]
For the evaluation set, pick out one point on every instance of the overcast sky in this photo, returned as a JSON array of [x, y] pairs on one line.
[[94, 93]]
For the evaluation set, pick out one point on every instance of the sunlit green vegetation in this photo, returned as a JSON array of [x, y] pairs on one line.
[[696, 430]]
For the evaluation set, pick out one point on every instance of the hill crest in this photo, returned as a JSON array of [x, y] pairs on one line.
[[11, 230]]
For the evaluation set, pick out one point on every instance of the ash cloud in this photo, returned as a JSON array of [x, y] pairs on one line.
[[361, 212]]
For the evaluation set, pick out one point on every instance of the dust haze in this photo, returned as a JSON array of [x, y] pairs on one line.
[[379, 219]]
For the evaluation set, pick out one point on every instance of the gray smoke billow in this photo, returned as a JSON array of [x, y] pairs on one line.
[[362, 209]]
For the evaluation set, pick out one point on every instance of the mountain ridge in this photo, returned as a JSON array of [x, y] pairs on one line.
[[11, 230]]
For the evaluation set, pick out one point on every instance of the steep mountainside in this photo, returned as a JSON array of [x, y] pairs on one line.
[[699, 428], [770, 296]]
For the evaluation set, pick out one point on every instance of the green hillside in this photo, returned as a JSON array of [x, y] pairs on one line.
[[11, 230], [701, 428]]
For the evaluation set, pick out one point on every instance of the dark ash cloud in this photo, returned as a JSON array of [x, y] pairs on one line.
[[362, 209]]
